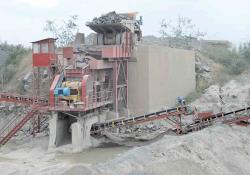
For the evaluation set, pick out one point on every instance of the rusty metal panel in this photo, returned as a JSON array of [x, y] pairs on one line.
[[51, 91], [115, 51], [204, 115], [84, 90], [108, 52], [68, 52], [42, 59]]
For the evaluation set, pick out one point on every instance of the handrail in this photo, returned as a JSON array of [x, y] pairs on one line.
[[8, 124], [91, 101], [15, 125]]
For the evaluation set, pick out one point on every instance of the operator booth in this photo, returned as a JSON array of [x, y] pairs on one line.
[[43, 52]]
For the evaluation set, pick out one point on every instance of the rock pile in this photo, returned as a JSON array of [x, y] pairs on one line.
[[109, 18], [232, 96], [203, 67]]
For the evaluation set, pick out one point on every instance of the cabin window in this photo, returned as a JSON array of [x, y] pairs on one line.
[[36, 48], [44, 48]]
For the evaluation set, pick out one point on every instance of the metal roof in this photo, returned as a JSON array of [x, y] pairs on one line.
[[46, 39]]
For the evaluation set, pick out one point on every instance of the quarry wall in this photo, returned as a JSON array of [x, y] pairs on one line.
[[158, 76]]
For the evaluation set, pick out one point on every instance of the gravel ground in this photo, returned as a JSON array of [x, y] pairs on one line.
[[217, 150]]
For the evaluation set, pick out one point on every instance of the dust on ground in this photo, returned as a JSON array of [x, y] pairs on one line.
[[219, 150]]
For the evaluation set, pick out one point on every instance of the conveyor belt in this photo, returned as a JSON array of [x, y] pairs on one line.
[[228, 118], [173, 112], [159, 115]]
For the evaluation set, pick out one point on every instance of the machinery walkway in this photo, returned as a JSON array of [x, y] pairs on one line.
[[38, 105]]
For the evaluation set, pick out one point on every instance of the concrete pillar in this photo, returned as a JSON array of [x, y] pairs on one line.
[[52, 130], [81, 138], [59, 131], [77, 135]]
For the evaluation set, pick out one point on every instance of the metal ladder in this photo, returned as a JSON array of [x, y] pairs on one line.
[[13, 126]]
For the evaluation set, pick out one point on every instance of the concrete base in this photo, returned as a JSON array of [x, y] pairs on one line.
[[81, 133], [60, 126], [59, 131]]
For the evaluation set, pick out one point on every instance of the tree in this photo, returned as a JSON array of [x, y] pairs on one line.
[[11, 56], [65, 32], [244, 50], [181, 34]]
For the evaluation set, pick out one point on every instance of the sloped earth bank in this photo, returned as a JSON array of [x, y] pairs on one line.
[[217, 150], [232, 96]]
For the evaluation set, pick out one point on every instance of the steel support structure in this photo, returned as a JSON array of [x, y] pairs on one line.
[[36, 123], [39, 83], [120, 84], [36, 82]]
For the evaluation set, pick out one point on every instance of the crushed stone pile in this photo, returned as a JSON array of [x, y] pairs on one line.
[[203, 67], [218, 150], [109, 18], [232, 96]]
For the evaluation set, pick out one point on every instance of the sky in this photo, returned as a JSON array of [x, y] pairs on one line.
[[22, 21]]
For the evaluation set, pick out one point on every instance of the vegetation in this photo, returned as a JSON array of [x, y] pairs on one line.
[[234, 61], [185, 34], [180, 34], [229, 62], [65, 32], [14, 54]]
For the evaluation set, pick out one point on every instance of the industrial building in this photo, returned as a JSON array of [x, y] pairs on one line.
[[111, 80]]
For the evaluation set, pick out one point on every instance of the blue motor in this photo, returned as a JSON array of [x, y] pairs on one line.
[[66, 91], [62, 92]]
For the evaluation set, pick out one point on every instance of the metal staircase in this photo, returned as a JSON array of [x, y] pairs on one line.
[[13, 126]]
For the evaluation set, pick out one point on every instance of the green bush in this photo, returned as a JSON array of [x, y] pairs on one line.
[[234, 62], [15, 53]]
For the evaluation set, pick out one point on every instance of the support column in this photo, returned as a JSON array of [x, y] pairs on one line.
[[81, 133], [115, 81], [52, 130], [59, 130], [120, 84]]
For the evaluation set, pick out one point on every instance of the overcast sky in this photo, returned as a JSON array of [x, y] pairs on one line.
[[22, 21]]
